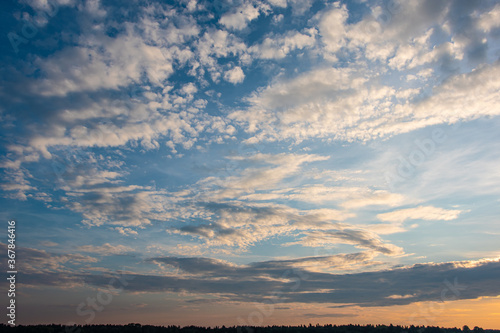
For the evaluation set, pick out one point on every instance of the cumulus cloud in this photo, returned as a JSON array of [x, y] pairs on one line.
[[234, 75], [242, 15], [333, 27], [278, 47], [214, 45], [62, 76], [126, 231], [490, 20]]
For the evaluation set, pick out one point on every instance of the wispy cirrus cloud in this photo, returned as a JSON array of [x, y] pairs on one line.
[[106, 249], [420, 212]]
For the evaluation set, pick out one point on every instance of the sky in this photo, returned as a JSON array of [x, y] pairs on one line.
[[252, 162]]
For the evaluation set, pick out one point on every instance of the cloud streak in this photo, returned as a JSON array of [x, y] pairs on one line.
[[297, 283]]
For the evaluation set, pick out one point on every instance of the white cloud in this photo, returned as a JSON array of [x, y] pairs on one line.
[[126, 231], [342, 104], [268, 172], [490, 20], [350, 102], [278, 3], [332, 27], [80, 68], [377, 197], [234, 75], [338, 262], [216, 44], [420, 213], [278, 47], [16, 183], [359, 238], [400, 296], [242, 15], [344, 196]]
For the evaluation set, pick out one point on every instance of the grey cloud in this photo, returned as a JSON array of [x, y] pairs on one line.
[[218, 207], [38, 261], [426, 282], [245, 224], [365, 240], [349, 257], [208, 267], [358, 238], [459, 16], [209, 230], [279, 278]]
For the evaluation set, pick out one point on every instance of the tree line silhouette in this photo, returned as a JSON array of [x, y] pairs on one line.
[[138, 328]]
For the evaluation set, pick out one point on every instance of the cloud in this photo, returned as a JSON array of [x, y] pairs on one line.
[[347, 197], [400, 296], [333, 27], [125, 60], [106, 249], [131, 103], [239, 18], [359, 238], [42, 262], [234, 75], [123, 206], [278, 47], [215, 268], [420, 213], [331, 263], [17, 184], [257, 172], [489, 20], [240, 225], [353, 109], [48, 244], [349, 103], [377, 197], [435, 282], [213, 45], [126, 231], [117, 113]]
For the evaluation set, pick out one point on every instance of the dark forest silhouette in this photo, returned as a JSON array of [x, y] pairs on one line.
[[138, 328]]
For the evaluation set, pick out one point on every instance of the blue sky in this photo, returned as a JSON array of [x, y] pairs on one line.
[[252, 161]]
